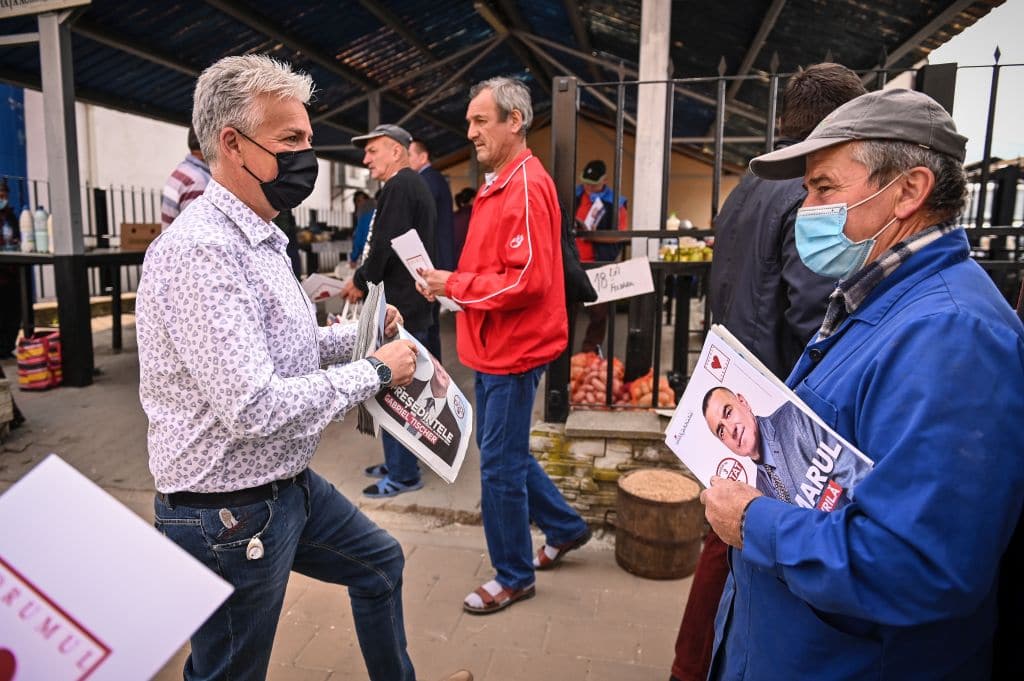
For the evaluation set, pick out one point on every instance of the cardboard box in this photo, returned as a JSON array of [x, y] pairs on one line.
[[136, 236]]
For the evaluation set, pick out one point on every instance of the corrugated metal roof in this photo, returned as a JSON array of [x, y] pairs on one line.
[[143, 56]]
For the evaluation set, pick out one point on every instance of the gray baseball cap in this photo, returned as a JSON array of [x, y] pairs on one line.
[[896, 114], [384, 130]]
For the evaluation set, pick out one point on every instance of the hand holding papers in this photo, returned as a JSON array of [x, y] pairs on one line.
[[413, 253], [430, 415], [737, 420], [594, 215]]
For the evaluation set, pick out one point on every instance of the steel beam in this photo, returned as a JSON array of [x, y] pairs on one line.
[[19, 39], [488, 14], [579, 30], [389, 19], [736, 108], [93, 32], [566, 71], [72, 283], [313, 53], [767, 24], [455, 78], [648, 189], [925, 32], [411, 75]]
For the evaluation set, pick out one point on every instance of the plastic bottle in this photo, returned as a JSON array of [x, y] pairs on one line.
[[49, 230], [42, 242], [8, 235], [28, 240]]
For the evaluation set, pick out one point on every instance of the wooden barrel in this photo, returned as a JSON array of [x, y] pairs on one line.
[[660, 524]]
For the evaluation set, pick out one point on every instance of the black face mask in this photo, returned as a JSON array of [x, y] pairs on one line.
[[296, 175]]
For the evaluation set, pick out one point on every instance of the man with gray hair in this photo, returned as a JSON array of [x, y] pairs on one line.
[[230, 360], [510, 286], [919, 363]]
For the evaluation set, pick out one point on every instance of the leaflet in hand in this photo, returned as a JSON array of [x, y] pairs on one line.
[[594, 215], [413, 253], [321, 287], [738, 420], [430, 416]]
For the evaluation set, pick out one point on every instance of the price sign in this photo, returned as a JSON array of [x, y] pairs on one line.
[[621, 280]]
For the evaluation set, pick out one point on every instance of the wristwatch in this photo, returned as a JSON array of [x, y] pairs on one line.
[[383, 371]]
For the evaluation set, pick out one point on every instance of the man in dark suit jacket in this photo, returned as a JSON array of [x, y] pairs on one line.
[[444, 252]]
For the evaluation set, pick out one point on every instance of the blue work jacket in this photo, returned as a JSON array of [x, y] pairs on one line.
[[927, 379]]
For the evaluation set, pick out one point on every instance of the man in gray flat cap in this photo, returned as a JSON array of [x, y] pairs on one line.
[[405, 203], [919, 363]]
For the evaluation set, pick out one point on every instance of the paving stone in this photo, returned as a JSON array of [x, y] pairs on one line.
[[657, 643], [509, 665], [323, 604], [646, 606], [595, 640], [332, 648], [522, 626], [292, 637], [616, 671], [434, 660]]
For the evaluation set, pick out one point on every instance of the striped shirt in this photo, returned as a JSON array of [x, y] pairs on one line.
[[185, 185], [851, 292]]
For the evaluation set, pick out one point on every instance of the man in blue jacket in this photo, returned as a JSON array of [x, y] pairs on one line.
[[919, 363]]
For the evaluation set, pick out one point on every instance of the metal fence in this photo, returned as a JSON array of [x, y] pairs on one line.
[[106, 209], [994, 214]]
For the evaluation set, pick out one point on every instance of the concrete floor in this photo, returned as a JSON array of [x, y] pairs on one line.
[[590, 621]]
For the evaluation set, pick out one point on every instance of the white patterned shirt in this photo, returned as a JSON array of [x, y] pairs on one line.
[[230, 354]]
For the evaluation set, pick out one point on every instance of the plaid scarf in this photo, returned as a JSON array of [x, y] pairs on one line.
[[851, 292]]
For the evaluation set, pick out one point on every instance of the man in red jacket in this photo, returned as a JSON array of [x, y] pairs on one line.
[[510, 285]]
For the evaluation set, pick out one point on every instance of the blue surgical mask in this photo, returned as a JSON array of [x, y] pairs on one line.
[[823, 246]]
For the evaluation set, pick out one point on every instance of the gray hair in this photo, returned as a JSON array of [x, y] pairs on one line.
[[510, 95], [885, 159], [226, 95]]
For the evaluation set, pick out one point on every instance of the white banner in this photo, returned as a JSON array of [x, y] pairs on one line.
[[90, 589]]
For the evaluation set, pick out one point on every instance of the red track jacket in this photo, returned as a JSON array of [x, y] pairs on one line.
[[509, 278]]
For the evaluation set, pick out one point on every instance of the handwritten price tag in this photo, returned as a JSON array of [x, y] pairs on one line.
[[621, 280]]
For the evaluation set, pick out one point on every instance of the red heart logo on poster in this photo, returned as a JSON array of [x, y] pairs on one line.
[[8, 665], [715, 364]]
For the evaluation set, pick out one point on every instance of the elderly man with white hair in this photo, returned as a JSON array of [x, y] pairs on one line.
[[919, 363], [231, 379]]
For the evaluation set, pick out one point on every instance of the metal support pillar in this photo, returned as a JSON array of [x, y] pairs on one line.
[[648, 189], [65, 203], [73, 318], [564, 96]]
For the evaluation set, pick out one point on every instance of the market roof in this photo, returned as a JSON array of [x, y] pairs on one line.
[[421, 55]]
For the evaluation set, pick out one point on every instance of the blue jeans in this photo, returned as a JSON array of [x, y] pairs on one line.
[[514, 489], [403, 466], [310, 528]]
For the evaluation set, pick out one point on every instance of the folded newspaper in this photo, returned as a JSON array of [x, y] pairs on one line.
[[413, 253], [430, 416], [738, 420]]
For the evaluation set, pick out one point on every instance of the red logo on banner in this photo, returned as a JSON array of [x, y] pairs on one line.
[[731, 469], [829, 496]]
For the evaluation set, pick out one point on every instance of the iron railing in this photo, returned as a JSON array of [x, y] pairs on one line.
[[106, 208], [995, 198]]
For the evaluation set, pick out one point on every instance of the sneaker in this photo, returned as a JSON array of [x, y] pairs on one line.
[[387, 487]]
